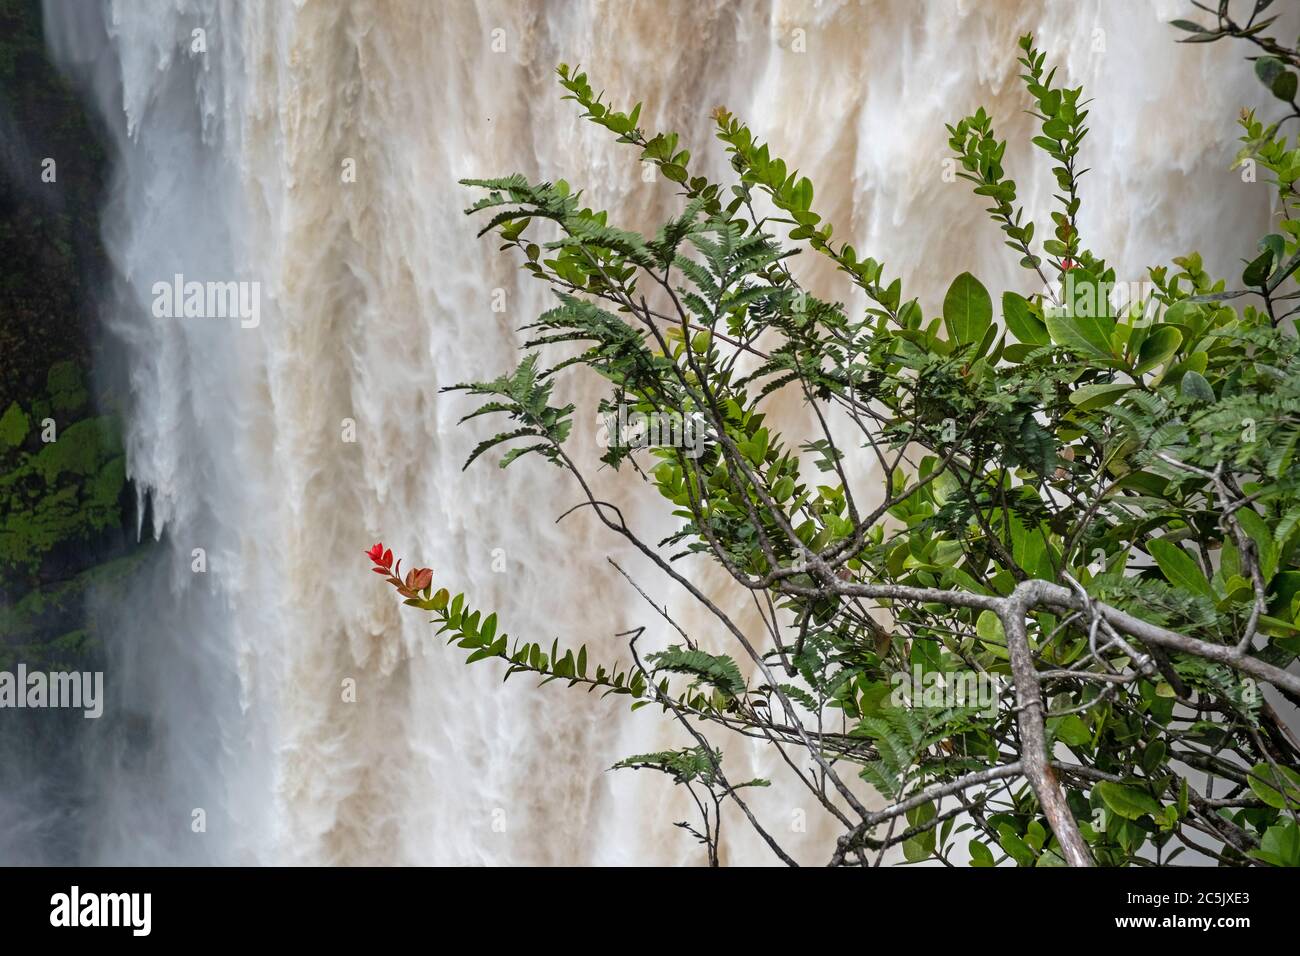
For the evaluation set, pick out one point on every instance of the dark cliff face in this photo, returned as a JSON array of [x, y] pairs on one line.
[[51, 170], [67, 514], [65, 509]]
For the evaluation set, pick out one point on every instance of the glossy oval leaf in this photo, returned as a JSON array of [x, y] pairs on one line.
[[1195, 386], [1179, 567], [1128, 802], [1098, 395], [967, 310], [1022, 322], [1082, 336], [1160, 345], [1276, 786]]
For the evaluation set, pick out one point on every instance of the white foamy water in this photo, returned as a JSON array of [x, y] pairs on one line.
[[374, 294]]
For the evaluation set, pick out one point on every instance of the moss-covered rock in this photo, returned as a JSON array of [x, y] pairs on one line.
[[66, 512]]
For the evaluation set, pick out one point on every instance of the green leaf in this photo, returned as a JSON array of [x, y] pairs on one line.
[[684, 766], [1078, 335], [1281, 274], [1129, 802], [1284, 587], [989, 628], [1275, 244], [1099, 395], [1072, 730], [1035, 836], [1160, 345], [1195, 386], [967, 310], [1280, 845], [1261, 533], [1153, 757], [803, 194], [1015, 847], [1284, 86], [980, 855], [1022, 323], [1257, 272], [674, 172], [1264, 780], [1267, 69], [921, 846], [1085, 322], [718, 670], [1179, 567]]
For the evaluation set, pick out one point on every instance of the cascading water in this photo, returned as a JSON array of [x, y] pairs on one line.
[[313, 148]]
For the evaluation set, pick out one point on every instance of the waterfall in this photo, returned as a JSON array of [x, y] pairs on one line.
[[313, 149]]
